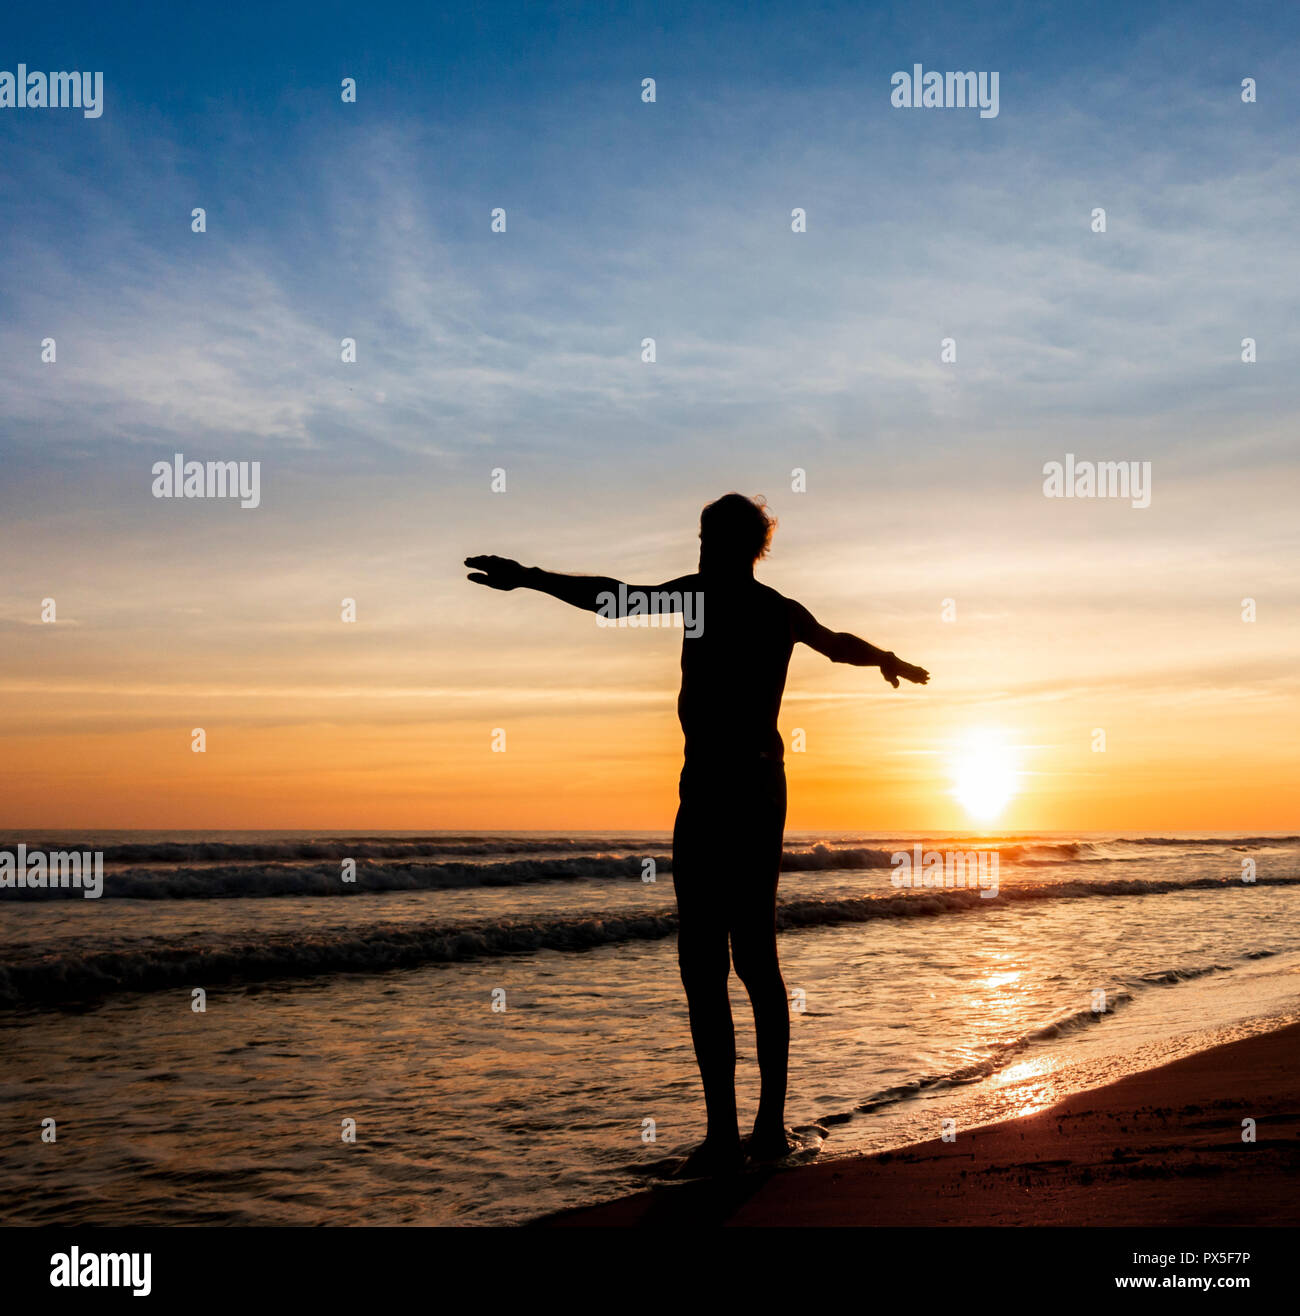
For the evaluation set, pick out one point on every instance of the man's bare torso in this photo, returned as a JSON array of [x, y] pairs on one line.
[[733, 672]]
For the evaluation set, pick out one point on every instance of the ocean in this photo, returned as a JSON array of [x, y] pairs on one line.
[[500, 1017]]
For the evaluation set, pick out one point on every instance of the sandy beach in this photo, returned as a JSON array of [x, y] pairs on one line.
[[1163, 1147]]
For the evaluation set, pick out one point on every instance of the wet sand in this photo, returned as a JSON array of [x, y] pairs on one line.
[[1159, 1148]]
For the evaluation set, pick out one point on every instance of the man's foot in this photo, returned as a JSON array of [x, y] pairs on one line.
[[712, 1160], [770, 1144]]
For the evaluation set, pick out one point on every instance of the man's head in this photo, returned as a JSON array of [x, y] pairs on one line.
[[735, 532]]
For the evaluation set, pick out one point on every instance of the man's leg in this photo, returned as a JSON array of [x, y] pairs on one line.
[[753, 947], [753, 950], [705, 964]]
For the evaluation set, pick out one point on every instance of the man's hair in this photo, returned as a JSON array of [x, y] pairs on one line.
[[739, 524]]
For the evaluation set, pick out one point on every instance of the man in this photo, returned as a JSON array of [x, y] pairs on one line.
[[730, 825]]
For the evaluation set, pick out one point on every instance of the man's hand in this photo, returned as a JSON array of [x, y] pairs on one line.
[[893, 667], [496, 572]]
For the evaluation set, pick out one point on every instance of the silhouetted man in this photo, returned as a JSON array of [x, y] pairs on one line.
[[731, 821]]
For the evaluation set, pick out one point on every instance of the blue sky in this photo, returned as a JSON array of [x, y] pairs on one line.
[[625, 220], [669, 220]]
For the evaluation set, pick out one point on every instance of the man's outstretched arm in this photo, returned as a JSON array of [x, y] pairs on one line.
[[590, 593], [841, 647]]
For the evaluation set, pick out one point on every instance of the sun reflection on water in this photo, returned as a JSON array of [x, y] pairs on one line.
[[1026, 1088]]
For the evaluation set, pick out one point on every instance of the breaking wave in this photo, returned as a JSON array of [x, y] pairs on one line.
[[215, 869], [190, 961]]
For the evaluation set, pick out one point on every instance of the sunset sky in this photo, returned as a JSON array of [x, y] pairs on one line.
[[522, 350]]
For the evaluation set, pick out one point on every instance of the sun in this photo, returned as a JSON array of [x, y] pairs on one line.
[[985, 773]]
